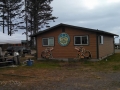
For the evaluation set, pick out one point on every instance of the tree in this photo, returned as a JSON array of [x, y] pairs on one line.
[[38, 15], [10, 12]]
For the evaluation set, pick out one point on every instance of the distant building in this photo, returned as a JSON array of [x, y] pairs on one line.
[[24, 42], [5, 45]]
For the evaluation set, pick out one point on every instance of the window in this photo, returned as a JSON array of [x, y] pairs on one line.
[[101, 39], [81, 40], [48, 41]]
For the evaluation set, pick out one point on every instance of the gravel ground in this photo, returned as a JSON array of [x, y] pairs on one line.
[[69, 81]]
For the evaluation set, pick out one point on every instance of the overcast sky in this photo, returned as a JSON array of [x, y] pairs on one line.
[[97, 14]]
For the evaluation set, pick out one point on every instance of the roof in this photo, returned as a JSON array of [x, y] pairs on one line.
[[10, 42], [75, 27]]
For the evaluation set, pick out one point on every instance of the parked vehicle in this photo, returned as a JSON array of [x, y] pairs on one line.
[[20, 49], [28, 51]]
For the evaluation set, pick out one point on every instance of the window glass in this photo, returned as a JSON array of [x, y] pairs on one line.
[[45, 41], [81, 40], [101, 39], [77, 40], [84, 40], [51, 41], [48, 41]]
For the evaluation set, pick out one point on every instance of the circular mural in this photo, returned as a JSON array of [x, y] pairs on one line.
[[63, 39]]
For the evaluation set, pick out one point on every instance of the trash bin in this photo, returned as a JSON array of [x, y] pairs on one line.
[[29, 62]]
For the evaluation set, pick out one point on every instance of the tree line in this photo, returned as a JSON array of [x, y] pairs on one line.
[[29, 15]]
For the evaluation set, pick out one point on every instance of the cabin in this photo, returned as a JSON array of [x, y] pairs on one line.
[[66, 42]]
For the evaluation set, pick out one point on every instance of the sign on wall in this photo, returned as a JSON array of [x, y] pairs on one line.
[[63, 39]]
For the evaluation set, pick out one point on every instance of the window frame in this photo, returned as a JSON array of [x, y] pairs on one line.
[[81, 39], [48, 41]]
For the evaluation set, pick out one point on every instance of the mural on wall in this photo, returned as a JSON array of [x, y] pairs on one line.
[[47, 53], [82, 53], [63, 39]]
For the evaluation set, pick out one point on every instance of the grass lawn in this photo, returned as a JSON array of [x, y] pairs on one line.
[[56, 71], [111, 63]]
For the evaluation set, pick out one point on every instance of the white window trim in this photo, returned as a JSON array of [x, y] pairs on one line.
[[48, 41], [102, 39], [81, 40]]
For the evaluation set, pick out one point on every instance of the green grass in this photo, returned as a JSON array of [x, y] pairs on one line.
[[45, 65], [111, 63]]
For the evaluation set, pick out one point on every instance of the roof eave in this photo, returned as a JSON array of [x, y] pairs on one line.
[[87, 29]]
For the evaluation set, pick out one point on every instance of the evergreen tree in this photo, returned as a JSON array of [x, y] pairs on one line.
[[38, 15], [10, 12]]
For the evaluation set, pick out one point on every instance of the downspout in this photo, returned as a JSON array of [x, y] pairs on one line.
[[97, 46]]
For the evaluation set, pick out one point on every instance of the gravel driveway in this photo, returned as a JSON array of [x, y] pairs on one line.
[[84, 80]]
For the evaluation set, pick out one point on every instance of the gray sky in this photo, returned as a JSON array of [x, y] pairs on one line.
[[96, 14]]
